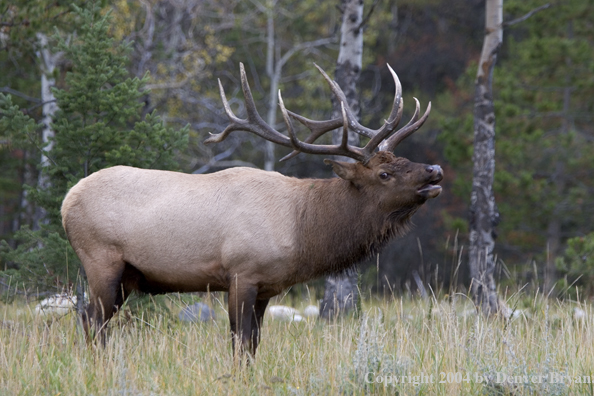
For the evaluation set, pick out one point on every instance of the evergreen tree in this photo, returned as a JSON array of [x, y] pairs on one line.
[[27, 66], [99, 125], [544, 158], [577, 267], [546, 98]]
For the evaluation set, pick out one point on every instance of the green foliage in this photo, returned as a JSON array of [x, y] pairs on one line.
[[21, 131], [99, 107], [144, 306], [544, 151], [544, 122], [22, 22], [577, 264], [456, 124], [16, 126], [99, 124], [46, 259]]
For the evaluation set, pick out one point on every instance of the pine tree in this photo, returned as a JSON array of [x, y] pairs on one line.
[[544, 146], [99, 125], [546, 94]]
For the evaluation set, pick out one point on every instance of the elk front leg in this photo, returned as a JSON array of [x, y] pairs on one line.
[[257, 317], [242, 299]]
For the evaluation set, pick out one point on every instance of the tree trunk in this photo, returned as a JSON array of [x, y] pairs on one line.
[[483, 211], [274, 67], [341, 292], [273, 71], [48, 65]]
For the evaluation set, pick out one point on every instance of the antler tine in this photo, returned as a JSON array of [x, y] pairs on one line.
[[397, 105], [254, 123], [226, 104], [292, 135], [352, 120], [391, 143], [218, 137], [376, 136], [386, 143], [318, 128], [250, 104], [393, 119], [289, 156], [342, 149], [345, 127]]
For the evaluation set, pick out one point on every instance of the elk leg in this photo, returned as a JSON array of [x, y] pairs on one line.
[[104, 274], [241, 306], [257, 317]]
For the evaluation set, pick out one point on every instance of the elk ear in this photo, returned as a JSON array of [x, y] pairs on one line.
[[344, 170]]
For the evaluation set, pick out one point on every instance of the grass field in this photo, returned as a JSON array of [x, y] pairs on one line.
[[431, 347]]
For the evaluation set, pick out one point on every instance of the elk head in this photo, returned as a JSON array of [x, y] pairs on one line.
[[415, 182]]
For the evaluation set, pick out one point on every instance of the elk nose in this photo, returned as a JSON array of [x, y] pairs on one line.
[[435, 170]]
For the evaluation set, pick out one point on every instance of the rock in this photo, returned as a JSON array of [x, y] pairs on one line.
[[311, 311], [282, 312], [579, 313], [198, 312], [59, 304]]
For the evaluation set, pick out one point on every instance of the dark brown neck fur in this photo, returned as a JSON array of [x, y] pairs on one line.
[[338, 225]]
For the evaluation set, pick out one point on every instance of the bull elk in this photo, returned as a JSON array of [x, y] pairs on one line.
[[248, 232]]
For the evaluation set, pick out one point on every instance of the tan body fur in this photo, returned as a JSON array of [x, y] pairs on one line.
[[183, 232], [249, 232]]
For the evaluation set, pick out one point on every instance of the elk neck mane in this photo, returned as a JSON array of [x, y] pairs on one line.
[[338, 225]]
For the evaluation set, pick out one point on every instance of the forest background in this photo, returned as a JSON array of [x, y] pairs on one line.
[[167, 56]]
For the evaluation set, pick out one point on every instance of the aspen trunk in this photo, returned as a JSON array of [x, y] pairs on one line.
[[341, 292], [483, 210], [48, 65], [273, 71]]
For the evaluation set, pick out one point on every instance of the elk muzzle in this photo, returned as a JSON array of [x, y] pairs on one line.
[[431, 189]]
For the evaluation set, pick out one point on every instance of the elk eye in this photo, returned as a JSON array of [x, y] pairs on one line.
[[384, 176]]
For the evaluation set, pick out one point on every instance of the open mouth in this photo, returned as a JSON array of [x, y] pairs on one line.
[[431, 189]]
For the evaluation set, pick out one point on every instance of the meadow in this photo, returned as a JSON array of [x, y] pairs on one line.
[[396, 345]]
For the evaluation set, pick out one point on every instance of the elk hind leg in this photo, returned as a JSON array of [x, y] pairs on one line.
[[104, 271]]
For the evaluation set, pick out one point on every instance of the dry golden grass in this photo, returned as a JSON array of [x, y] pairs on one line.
[[157, 355]]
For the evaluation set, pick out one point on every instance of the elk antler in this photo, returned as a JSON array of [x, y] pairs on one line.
[[377, 137], [254, 123]]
